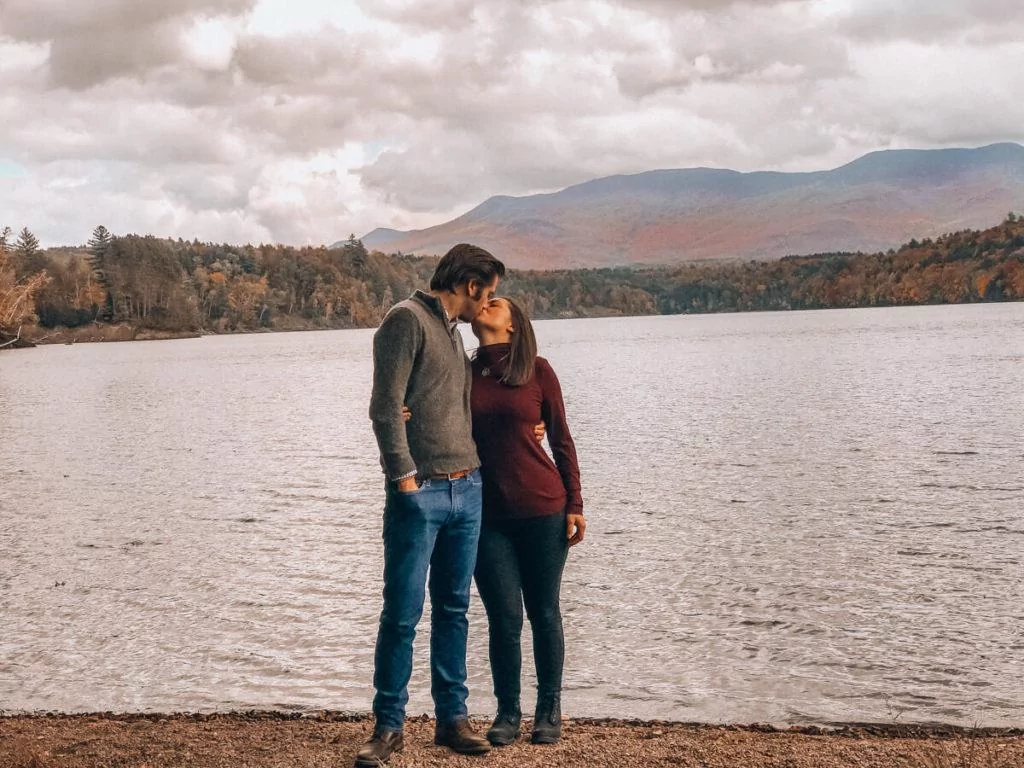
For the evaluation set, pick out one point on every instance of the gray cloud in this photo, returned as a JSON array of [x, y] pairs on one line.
[[210, 188], [756, 48], [438, 14], [675, 7], [307, 62], [92, 42], [37, 20], [928, 20]]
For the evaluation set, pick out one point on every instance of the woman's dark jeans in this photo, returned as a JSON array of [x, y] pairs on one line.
[[521, 561]]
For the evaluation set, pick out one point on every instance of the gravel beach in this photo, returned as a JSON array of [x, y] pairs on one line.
[[268, 739]]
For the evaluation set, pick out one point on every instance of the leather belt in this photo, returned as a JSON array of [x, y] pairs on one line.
[[452, 475]]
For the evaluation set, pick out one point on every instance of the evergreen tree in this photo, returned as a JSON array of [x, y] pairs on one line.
[[99, 244], [28, 257], [355, 252], [27, 244]]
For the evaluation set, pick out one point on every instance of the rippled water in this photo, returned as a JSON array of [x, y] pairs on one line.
[[793, 517]]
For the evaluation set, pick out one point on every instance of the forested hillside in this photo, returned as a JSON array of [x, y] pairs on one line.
[[961, 267], [142, 283]]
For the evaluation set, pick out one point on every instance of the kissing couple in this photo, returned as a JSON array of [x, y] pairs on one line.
[[469, 492]]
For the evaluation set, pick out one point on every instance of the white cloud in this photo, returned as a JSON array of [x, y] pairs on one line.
[[302, 120]]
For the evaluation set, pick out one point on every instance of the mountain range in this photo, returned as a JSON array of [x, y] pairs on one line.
[[876, 202]]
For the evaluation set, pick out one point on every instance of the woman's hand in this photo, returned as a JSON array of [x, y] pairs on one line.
[[576, 526], [406, 414]]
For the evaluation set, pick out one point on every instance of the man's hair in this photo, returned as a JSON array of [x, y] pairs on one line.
[[465, 262]]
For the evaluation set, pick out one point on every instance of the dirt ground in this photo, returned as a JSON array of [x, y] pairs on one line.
[[331, 739]]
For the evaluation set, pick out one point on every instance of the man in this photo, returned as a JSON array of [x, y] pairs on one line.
[[433, 497]]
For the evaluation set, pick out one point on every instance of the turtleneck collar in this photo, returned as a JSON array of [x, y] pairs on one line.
[[494, 356]]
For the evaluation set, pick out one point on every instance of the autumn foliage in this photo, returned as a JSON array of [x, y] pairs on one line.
[[962, 267], [182, 286], [18, 287]]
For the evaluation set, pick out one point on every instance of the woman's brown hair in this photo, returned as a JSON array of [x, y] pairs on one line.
[[523, 354]]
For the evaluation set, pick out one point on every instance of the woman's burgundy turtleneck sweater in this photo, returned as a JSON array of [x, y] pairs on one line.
[[520, 479]]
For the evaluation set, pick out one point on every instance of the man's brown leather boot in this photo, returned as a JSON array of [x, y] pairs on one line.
[[378, 750], [460, 737]]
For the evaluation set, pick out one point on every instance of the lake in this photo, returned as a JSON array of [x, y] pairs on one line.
[[793, 517]]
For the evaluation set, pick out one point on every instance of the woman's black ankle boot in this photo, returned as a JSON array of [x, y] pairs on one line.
[[505, 728], [547, 722]]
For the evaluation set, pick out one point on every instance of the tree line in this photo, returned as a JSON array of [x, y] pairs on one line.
[[179, 286], [959, 267]]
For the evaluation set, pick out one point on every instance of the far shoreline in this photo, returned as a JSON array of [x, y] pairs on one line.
[[97, 333]]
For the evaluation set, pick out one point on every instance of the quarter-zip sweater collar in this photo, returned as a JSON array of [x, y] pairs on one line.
[[437, 307]]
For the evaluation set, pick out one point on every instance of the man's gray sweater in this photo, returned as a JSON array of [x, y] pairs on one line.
[[419, 361]]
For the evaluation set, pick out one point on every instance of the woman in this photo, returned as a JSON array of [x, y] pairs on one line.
[[532, 513]]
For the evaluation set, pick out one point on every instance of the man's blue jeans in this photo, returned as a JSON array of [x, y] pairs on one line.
[[438, 527]]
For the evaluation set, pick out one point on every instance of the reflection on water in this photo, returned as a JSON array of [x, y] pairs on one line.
[[793, 517]]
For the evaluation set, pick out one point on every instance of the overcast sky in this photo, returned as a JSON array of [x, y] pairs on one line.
[[299, 121]]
